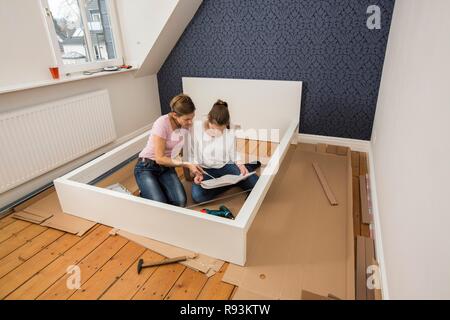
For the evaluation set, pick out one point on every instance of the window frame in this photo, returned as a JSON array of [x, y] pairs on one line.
[[75, 68]]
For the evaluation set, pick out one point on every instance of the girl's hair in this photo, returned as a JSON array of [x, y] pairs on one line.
[[219, 114], [182, 105]]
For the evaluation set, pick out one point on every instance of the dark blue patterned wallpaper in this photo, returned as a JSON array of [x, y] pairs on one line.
[[324, 43]]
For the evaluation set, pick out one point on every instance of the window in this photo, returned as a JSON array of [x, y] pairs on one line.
[[84, 33], [96, 16]]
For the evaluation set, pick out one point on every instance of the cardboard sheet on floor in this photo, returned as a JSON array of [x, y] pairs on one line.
[[31, 217], [59, 220], [202, 263], [298, 241], [243, 294]]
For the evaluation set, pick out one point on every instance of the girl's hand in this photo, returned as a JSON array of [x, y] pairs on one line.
[[243, 169], [198, 179]]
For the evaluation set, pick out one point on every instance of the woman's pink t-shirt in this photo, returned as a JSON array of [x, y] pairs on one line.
[[163, 129]]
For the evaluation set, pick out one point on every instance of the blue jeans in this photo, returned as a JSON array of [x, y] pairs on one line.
[[200, 195], [159, 183]]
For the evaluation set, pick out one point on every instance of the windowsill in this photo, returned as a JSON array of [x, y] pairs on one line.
[[65, 79]]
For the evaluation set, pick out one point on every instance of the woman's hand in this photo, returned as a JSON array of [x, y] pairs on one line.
[[243, 169], [195, 169]]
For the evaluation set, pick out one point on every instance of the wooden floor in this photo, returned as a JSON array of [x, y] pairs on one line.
[[34, 262]]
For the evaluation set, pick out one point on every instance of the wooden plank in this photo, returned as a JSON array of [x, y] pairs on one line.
[[188, 286], [270, 148], [363, 164], [19, 239], [366, 218], [88, 267], [355, 163], [131, 282], [28, 269], [370, 261], [307, 147], [58, 268], [326, 187], [215, 288], [240, 145], [361, 292], [356, 207], [253, 147], [247, 146], [342, 151], [5, 221], [12, 229], [378, 295], [104, 278], [321, 148], [266, 148], [365, 230], [22, 254], [160, 283], [332, 149]]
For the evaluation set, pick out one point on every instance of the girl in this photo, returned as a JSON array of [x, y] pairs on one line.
[[214, 149], [155, 171]]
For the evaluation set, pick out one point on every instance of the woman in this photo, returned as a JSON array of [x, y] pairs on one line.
[[215, 150], [155, 171]]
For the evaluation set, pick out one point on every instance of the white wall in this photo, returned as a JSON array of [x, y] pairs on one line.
[[411, 151], [25, 53], [25, 57], [141, 23]]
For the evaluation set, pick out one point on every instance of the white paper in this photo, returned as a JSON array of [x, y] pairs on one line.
[[119, 188], [225, 180]]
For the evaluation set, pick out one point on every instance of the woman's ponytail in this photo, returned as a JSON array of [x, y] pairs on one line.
[[220, 114]]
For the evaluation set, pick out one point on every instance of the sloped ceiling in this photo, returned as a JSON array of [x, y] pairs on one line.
[[170, 33]]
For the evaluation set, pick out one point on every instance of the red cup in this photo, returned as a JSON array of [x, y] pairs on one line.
[[55, 72]]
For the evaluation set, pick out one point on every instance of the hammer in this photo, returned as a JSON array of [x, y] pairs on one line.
[[141, 264]]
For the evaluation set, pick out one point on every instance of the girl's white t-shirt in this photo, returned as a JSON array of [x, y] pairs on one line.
[[213, 152]]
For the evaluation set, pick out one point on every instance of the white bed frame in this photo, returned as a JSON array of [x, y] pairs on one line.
[[254, 104]]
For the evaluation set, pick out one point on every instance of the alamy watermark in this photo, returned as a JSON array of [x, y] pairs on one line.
[[74, 280], [374, 19], [373, 279]]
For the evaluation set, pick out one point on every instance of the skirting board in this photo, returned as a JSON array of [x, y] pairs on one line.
[[361, 146], [377, 227], [355, 145]]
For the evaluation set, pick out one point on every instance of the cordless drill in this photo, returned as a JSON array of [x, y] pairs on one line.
[[223, 212]]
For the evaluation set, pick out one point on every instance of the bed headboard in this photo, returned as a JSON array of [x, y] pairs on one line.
[[253, 104]]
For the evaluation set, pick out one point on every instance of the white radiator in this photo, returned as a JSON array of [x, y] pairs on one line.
[[38, 139]]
